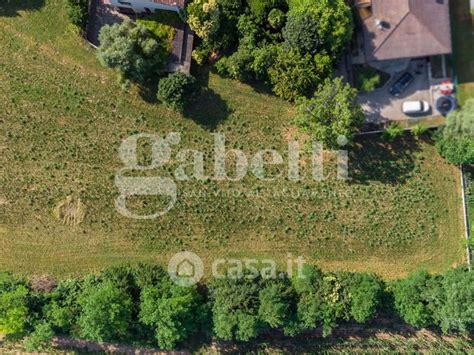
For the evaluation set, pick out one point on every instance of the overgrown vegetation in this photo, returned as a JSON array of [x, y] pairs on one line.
[[455, 139], [368, 79], [292, 47], [78, 11], [144, 306]]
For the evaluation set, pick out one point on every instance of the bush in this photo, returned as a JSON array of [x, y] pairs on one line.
[[263, 60], [131, 49], [106, 312], [261, 8], [162, 25], [300, 33], [78, 12], [418, 130], [40, 338], [237, 66], [177, 90], [294, 75], [393, 131], [14, 308], [276, 19], [455, 140]]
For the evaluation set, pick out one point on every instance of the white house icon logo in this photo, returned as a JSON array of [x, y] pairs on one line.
[[186, 268]]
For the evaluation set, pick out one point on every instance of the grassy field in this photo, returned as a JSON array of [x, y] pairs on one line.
[[463, 38], [62, 120]]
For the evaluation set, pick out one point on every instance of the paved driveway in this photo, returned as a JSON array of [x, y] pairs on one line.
[[379, 106]]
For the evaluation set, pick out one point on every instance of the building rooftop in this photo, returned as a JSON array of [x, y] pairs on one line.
[[396, 29]]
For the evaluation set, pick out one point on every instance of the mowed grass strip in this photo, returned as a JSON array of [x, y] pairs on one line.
[[63, 118]]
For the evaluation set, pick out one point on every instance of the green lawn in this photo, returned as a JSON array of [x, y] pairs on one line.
[[63, 118], [463, 42]]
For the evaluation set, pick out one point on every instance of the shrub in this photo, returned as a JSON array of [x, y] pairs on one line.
[[300, 32], [106, 312], [332, 112], [177, 90], [40, 338], [393, 131], [455, 140], [263, 60], [78, 11], [131, 49], [14, 310], [162, 25], [261, 8], [276, 19], [418, 130], [293, 75], [237, 66]]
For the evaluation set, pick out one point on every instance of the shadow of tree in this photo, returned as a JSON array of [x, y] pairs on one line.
[[10, 8], [373, 159], [208, 110]]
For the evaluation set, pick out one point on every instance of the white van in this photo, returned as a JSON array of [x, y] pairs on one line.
[[414, 107]]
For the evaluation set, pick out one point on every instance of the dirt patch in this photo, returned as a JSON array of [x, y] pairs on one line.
[[70, 211]]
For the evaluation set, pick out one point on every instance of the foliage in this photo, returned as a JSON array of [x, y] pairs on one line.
[[261, 8], [455, 313], [276, 18], [105, 312], [366, 294], [393, 131], [40, 338], [410, 299], [175, 312], [235, 307], [455, 141], [177, 90], [418, 130], [300, 33], [131, 49], [335, 25], [14, 311], [332, 112], [237, 66], [293, 75], [78, 11], [163, 25], [368, 79], [263, 60]]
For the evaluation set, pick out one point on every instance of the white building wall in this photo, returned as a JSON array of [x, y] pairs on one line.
[[142, 5]]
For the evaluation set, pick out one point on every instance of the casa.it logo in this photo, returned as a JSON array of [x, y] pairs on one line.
[[130, 186]]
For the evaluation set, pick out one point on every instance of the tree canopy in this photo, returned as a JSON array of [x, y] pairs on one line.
[[331, 113]]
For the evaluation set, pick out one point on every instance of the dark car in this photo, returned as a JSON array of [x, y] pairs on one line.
[[401, 84]]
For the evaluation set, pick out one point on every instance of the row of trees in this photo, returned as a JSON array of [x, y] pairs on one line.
[[143, 305]]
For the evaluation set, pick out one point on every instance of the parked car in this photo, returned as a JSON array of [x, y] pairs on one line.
[[415, 107], [401, 84]]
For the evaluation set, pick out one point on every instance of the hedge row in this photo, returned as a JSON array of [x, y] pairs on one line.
[[142, 305]]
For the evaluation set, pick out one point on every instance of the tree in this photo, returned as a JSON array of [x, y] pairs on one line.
[[276, 303], [14, 311], [293, 75], [300, 33], [174, 312], [331, 113], [455, 310], [235, 305], [366, 296], [177, 90], [411, 300], [106, 312], [131, 49], [334, 22], [455, 140]]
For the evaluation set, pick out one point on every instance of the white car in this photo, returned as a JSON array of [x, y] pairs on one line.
[[415, 107]]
